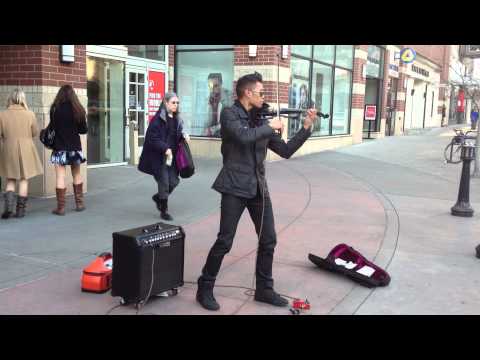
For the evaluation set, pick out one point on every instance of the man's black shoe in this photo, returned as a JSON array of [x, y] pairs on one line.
[[205, 296], [166, 216], [269, 296], [208, 302]]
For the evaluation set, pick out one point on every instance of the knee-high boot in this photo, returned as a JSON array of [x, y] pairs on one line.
[[9, 202], [164, 210], [78, 191], [60, 210], [21, 206]]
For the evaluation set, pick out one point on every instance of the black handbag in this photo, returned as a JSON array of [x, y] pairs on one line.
[[184, 160], [47, 135]]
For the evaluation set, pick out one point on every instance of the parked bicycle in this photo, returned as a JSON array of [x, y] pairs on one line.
[[452, 152]]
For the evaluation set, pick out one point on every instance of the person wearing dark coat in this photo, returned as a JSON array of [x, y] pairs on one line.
[[68, 119], [163, 134], [242, 184]]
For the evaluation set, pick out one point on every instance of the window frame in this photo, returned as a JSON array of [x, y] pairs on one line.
[[175, 72], [332, 66], [165, 55]]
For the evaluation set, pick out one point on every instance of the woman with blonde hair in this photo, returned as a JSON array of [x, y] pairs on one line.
[[19, 160]]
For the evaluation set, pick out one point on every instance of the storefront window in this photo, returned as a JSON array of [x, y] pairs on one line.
[[373, 86], [322, 96], [313, 81], [302, 50], [344, 56], [106, 99], [299, 91], [204, 83], [374, 62], [153, 52], [341, 102], [324, 53]]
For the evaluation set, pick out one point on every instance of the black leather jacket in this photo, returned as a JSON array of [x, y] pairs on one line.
[[244, 149]]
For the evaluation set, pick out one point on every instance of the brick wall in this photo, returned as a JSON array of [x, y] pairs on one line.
[[439, 54], [358, 100], [266, 55], [171, 64], [27, 65], [386, 78], [435, 53]]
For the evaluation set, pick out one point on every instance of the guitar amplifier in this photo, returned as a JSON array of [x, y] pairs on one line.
[[144, 258]]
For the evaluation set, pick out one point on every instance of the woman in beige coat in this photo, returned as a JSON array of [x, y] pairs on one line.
[[19, 160]]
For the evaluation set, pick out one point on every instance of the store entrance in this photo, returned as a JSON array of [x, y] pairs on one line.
[[372, 98], [136, 100], [391, 106], [106, 101]]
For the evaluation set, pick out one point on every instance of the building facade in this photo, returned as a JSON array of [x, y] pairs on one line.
[[366, 90]]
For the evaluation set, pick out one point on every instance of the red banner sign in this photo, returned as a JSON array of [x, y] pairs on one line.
[[461, 101], [370, 112], [156, 91]]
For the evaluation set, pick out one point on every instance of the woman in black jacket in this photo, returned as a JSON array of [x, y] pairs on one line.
[[68, 119], [158, 155]]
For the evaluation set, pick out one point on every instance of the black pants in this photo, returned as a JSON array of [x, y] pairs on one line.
[[232, 208], [167, 180]]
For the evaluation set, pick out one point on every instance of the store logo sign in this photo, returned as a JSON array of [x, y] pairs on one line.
[[420, 71], [407, 55]]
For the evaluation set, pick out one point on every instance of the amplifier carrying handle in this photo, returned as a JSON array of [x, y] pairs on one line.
[[155, 227]]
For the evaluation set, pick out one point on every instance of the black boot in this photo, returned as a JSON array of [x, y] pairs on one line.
[[163, 210], [269, 296], [21, 205], [9, 197], [156, 200], [205, 295]]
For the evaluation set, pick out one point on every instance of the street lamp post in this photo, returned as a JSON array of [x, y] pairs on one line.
[[462, 207], [476, 169]]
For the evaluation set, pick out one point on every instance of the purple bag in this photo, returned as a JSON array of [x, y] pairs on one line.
[[184, 160]]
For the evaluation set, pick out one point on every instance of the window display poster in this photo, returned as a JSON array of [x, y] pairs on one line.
[[370, 112], [156, 92]]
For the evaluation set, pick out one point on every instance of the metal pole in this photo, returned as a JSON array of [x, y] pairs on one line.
[[476, 170], [462, 206]]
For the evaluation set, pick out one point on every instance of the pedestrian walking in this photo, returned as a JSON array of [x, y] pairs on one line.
[[474, 118], [68, 119], [163, 134], [19, 160]]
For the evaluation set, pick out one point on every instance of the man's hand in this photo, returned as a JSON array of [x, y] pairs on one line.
[[168, 152], [186, 137], [276, 124], [310, 118]]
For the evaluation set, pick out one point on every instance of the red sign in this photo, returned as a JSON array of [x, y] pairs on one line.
[[370, 112], [461, 101], [156, 92]]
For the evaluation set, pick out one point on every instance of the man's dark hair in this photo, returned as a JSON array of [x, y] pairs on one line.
[[217, 76], [247, 82]]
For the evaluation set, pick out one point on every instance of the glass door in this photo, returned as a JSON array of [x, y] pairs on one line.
[[136, 100], [106, 101], [391, 106]]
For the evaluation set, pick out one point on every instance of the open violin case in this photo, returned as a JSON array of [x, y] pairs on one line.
[[345, 260]]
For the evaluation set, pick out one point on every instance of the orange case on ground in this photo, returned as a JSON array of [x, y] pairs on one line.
[[97, 277]]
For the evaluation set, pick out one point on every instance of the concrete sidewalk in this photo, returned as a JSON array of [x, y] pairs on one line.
[[390, 199]]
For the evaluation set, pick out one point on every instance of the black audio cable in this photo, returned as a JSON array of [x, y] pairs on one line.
[[142, 303]]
